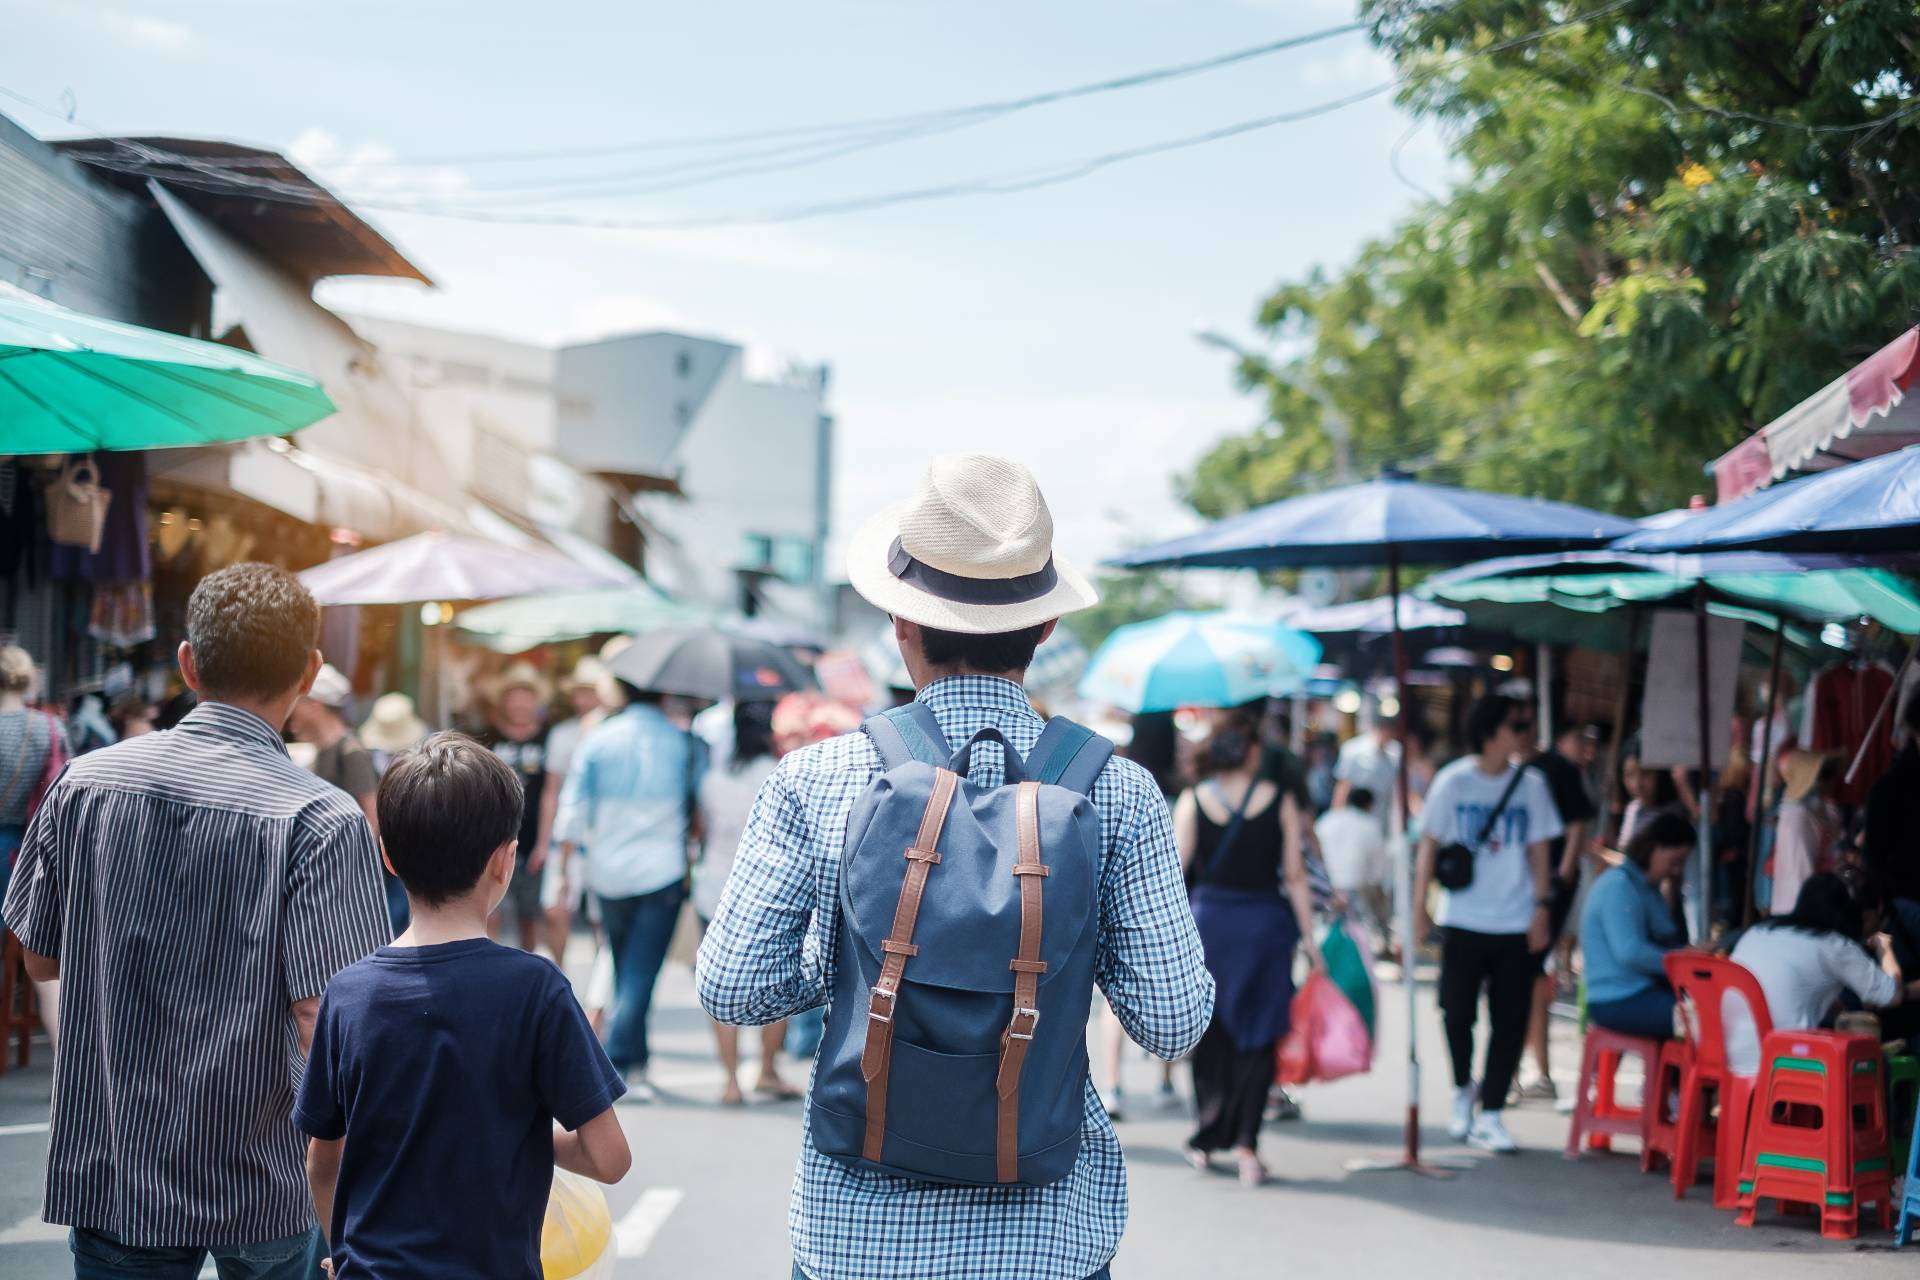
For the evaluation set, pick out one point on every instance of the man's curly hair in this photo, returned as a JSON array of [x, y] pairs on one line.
[[251, 626]]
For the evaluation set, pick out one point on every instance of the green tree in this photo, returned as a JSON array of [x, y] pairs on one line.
[[1125, 598], [1676, 219]]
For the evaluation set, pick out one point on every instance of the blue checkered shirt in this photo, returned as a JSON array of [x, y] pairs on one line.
[[769, 954]]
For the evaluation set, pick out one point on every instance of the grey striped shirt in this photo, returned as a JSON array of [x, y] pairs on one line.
[[193, 884]]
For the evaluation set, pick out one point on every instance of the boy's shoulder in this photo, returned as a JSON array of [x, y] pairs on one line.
[[505, 968]]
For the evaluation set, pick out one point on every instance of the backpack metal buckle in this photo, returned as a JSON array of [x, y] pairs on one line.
[[1032, 1017], [878, 994]]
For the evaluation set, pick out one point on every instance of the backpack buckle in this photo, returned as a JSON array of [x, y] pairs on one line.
[[1032, 1017], [877, 994]]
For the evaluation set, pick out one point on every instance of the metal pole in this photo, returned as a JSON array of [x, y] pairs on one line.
[[1703, 892], [1765, 766], [1545, 731], [1401, 810]]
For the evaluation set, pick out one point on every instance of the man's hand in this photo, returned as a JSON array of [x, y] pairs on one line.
[[1422, 926], [1539, 931], [538, 858]]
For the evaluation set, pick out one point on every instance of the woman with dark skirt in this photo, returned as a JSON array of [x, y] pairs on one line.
[[1240, 839]]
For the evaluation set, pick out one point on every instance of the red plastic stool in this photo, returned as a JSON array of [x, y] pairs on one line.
[[1819, 1130], [1700, 983], [19, 1007], [1598, 1115], [1661, 1099]]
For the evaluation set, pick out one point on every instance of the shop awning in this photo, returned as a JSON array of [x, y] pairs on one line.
[[1862, 414]]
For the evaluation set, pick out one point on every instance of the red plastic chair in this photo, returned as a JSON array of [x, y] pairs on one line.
[[1661, 1102], [19, 1008], [1819, 1131], [1598, 1115], [1699, 983]]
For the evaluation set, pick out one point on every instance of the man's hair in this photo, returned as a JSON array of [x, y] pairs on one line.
[[252, 627], [1485, 717], [1003, 651], [1360, 798], [444, 807]]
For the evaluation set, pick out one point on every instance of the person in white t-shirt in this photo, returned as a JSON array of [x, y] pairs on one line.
[[1370, 760], [1354, 851], [1492, 929]]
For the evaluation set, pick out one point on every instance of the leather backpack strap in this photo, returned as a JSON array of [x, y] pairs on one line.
[[1068, 755], [1027, 968], [877, 1057]]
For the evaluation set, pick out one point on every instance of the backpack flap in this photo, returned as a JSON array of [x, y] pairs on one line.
[[969, 919]]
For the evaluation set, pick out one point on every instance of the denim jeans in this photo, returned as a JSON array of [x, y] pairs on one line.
[[1647, 1013], [97, 1256], [639, 930]]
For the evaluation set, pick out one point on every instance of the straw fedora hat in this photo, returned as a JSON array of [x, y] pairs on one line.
[[971, 552], [521, 675], [393, 726], [1800, 773]]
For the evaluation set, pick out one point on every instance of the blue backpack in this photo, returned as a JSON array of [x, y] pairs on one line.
[[956, 1040]]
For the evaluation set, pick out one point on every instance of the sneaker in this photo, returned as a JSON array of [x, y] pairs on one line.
[[1282, 1105], [1539, 1089], [1489, 1133], [1115, 1103], [1464, 1099], [640, 1090]]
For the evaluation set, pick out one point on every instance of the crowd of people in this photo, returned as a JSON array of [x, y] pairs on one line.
[[273, 866]]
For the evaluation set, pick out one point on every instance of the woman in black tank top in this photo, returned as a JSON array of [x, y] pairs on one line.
[[1253, 906]]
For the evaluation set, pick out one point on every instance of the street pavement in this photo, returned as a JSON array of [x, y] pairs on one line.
[[708, 1193]]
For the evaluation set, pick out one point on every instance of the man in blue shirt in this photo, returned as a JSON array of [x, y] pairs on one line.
[[629, 800]]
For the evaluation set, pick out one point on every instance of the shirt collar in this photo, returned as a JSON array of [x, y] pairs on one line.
[[224, 720], [951, 693]]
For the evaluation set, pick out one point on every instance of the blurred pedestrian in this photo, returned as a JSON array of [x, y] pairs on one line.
[[562, 882], [726, 798], [392, 728], [33, 747], [1372, 760], [197, 889], [1242, 839], [516, 731], [629, 802], [319, 720], [1355, 852], [1808, 828], [1564, 766]]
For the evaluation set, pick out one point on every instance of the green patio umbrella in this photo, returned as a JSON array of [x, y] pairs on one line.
[[71, 382], [513, 626]]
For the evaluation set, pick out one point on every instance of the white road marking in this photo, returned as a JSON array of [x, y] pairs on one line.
[[11, 1130], [633, 1234]]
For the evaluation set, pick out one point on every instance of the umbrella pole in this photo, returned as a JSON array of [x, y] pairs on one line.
[[1765, 773], [1703, 899]]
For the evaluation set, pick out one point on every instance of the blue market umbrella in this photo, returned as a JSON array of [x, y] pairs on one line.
[[1197, 660], [1871, 507], [1392, 521]]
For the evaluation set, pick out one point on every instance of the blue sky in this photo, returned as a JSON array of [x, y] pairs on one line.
[[1055, 324]]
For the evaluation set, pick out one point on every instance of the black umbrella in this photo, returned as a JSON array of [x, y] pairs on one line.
[[701, 662]]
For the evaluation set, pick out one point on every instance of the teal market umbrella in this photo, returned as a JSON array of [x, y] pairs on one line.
[[521, 623], [71, 382], [1197, 659]]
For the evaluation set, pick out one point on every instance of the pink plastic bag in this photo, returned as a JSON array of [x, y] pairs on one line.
[[1328, 1039]]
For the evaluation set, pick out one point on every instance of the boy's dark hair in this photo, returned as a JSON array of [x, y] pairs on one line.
[[1004, 651], [252, 627], [1360, 798], [1486, 716], [444, 807]]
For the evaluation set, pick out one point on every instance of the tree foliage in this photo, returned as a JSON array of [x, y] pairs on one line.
[[1674, 220]]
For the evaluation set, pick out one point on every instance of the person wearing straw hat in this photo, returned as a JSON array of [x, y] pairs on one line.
[[391, 728], [1807, 828], [563, 880], [968, 571], [516, 731]]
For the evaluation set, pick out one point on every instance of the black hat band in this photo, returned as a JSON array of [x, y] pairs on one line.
[[958, 590]]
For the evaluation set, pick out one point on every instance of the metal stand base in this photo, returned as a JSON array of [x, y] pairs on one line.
[[1409, 1161]]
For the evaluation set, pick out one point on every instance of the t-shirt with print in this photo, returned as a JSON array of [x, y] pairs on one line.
[[527, 757], [444, 1068], [1501, 897]]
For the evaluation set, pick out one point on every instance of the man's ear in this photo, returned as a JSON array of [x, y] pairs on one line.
[[314, 661], [189, 669], [1046, 633]]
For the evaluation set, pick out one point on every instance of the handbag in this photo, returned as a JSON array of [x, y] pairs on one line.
[[1453, 864], [77, 506]]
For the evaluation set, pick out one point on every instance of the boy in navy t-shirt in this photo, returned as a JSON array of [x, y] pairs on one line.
[[449, 1074]]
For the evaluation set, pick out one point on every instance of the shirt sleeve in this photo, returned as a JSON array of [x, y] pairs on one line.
[[575, 1079], [1438, 816], [1862, 974], [754, 965], [32, 908], [336, 903], [1570, 797], [1544, 822], [317, 1112], [1149, 961]]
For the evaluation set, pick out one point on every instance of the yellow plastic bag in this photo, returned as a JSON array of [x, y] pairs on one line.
[[576, 1240]]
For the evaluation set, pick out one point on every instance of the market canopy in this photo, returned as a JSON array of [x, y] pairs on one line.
[[1863, 413], [1393, 518], [524, 622], [1869, 508], [71, 382], [448, 566], [1374, 617]]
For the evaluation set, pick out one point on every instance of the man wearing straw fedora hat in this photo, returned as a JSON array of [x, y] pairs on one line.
[[968, 573]]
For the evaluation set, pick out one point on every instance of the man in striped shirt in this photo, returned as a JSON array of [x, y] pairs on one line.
[[196, 889]]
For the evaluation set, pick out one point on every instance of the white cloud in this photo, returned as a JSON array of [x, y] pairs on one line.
[[144, 31], [1359, 65]]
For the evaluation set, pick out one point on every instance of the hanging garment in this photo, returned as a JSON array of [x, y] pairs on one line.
[[122, 614], [1841, 703]]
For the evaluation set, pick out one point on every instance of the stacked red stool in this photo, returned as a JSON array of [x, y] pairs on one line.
[[1701, 984], [1598, 1114], [1819, 1130]]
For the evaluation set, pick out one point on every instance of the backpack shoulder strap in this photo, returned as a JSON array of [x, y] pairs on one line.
[[1068, 755], [908, 733]]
